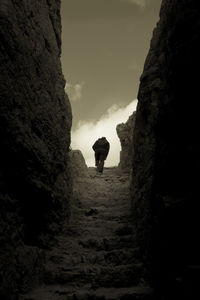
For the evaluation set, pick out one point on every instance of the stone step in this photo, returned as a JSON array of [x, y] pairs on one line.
[[113, 257], [116, 240], [88, 293], [133, 293], [107, 244], [98, 275]]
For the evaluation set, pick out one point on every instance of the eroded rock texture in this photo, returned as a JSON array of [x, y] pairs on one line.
[[166, 166], [78, 165], [125, 134], [95, 257], [35, 122]]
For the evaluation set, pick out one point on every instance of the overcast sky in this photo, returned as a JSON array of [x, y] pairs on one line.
[[104, 46]]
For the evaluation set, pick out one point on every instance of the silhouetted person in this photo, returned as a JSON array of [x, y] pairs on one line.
[[101, 148]]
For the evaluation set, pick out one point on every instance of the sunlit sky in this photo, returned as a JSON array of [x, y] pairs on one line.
[[104, 46]]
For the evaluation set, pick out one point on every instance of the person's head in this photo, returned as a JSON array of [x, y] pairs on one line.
[[103, 138]]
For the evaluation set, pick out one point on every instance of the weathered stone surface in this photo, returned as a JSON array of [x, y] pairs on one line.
[[35, 122], [95, 256], [167, 150], [78, 165], [125, 134]]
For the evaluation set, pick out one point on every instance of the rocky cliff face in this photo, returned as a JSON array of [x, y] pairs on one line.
[[35, 122], [167, 150], [125, 134]]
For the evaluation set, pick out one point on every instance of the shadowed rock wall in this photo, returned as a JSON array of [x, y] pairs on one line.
[[35, 122], [166, 164]]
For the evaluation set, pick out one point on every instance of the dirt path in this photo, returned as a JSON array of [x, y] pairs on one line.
[[95, 257]]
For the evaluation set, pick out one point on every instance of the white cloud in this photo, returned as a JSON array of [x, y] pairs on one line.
[[74, 91], [86, 133]]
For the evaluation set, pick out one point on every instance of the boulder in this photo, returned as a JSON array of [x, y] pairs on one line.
[[78, 165]]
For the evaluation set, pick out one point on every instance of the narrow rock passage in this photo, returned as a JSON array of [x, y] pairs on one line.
[[95, 257]]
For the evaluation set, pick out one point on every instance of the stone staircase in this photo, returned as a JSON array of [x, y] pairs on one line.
[[95, 256]]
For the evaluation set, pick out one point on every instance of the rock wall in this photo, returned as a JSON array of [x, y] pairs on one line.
[[125, 134], [166, 164], [35, 122]]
